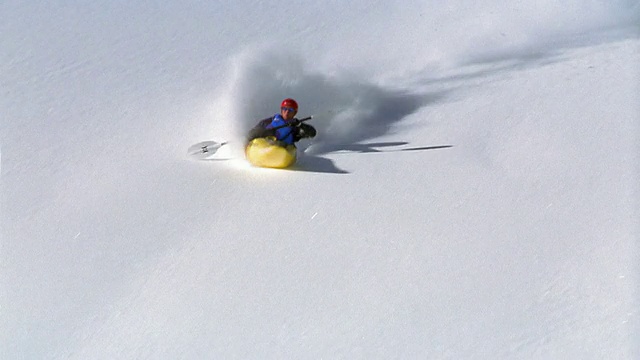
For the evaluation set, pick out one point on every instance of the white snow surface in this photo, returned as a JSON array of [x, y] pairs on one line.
[[472, 194]]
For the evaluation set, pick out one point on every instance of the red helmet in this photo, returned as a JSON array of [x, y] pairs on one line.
[[289, 102]]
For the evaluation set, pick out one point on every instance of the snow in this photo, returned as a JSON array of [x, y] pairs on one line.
[[473, 192]]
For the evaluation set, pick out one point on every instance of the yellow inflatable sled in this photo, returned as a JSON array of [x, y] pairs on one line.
[[270, 153]]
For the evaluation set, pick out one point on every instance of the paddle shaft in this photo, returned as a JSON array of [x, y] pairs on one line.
[[285, 125]]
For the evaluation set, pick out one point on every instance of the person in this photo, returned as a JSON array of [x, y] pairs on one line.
[[284, 127]]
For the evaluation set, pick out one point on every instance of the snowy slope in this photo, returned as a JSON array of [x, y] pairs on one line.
[[473, 195]]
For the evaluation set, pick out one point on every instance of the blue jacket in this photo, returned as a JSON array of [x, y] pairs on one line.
[[284, 134], [288, 134]]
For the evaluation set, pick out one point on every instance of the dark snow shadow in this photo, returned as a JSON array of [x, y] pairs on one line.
[[312, 163], [384, 147], [317, 164], [422, 148]]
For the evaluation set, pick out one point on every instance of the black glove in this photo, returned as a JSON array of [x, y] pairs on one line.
[[295, 122], [305, 131]]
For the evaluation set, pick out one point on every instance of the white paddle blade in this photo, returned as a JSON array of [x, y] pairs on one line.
[[204, 149]]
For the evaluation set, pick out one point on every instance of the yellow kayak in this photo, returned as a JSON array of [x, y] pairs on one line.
[[267, 152]]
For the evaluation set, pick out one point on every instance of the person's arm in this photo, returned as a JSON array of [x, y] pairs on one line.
[[261, 130]]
